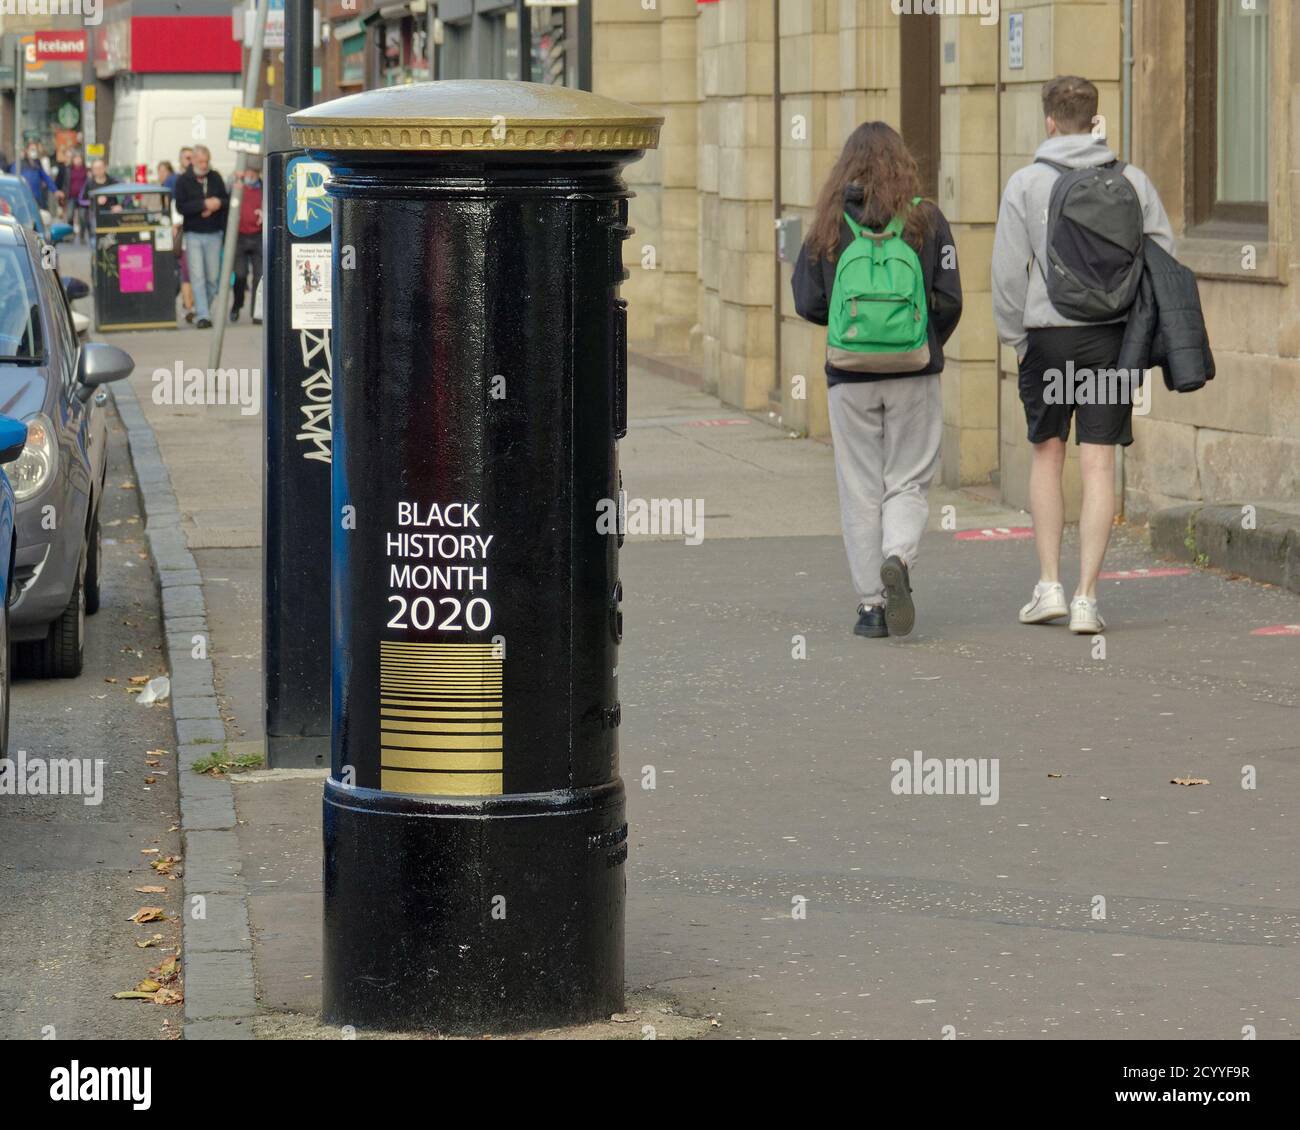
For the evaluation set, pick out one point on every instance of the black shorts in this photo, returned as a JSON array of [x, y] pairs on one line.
[[1103, 416]]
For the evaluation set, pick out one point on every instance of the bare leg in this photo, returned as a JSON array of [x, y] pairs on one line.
[[1047, 504], [1097, 465]]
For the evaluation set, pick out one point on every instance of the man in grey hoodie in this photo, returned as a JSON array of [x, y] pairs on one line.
[[1046, 343]]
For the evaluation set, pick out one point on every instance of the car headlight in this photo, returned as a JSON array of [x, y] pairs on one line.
[[35, 467]]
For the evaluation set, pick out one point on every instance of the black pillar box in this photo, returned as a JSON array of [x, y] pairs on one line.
[[296, 510], [474, 817]]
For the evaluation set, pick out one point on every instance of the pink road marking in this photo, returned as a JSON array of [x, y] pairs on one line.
[[998, 533], [1278, 630], [1142, 574]]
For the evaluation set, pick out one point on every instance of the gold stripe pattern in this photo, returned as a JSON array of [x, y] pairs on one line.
[[440, 718]]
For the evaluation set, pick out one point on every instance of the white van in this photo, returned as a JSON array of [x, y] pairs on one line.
[[158, 115]]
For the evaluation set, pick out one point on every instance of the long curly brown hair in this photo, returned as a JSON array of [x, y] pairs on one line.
[[880, 173]]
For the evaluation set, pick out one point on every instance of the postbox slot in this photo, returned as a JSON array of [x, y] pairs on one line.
[[620, 368]]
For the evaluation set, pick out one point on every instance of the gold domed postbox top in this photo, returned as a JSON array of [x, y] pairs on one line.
[[475, 116]]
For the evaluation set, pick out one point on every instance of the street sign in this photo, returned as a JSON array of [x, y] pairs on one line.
[[274, 40], [246, 130], [60, 46], [93, 151]]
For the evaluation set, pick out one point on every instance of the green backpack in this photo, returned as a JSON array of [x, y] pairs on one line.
[[879, 320]]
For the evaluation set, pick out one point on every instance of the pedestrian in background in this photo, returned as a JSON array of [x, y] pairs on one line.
[[879, 269], [98, 178], [76, 214], [202, 199], [1049, 344], [29, 167], [167, 174], [59, 173], [248, 251]]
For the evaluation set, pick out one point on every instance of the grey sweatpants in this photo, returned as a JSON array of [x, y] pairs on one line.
[[887, 436]]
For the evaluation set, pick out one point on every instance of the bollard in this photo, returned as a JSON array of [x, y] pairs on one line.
[[474, 829], [296, 510]]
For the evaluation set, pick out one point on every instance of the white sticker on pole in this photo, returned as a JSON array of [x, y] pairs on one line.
[[310, 286]]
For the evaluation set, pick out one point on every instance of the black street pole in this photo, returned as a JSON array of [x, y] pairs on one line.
[[525, 16], [297, 347], [298, 53], [584, 45]]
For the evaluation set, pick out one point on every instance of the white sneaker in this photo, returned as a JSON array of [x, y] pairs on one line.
[[1084, 617], [1048, 604]]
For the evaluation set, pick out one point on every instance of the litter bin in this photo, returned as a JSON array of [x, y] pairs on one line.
[[133, 270], [474, 830]]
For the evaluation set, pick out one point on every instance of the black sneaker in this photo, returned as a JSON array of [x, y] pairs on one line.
[[234, 315], [871, 622], [203, 324], [900, 612]]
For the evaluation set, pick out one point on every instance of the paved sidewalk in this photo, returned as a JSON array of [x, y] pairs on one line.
[[776, 880]]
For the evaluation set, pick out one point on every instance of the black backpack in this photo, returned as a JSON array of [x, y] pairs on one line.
[[1094, 242]]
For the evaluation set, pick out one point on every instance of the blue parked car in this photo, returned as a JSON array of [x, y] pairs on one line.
[[16, 200], [13, 438]]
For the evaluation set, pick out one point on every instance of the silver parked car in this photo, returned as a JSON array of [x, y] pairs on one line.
[[50, 381]]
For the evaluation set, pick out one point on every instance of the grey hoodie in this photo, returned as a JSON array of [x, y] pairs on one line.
[[1020, 301]]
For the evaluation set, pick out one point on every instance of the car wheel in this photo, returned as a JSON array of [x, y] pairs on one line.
[[4, 681], [60, 654], [94, 562]]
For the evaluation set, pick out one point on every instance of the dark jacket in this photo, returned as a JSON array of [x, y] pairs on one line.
[[1165, 324], [815, 278], [189, 195]]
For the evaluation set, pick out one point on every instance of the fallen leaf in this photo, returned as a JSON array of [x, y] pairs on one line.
[[168, 996], [144, 945], [1054, 774], [167, 970], [138, 680], [1189, 781], [148, 851], [153, 890], [148, 986], [150, 780], [147, 914], [153, 764], [133, 995], [110, 680], [155, 753]]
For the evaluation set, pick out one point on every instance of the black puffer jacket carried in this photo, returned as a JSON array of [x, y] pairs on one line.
[[1165, 325]]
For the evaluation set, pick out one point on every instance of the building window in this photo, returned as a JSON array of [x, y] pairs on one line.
[[1230, 112]]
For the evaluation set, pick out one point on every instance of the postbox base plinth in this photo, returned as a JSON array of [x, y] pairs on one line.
[[484, 914]]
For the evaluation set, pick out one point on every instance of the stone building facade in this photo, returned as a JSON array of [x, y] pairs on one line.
[[760, 94]]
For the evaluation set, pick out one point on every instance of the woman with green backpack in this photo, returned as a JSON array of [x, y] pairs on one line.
[[879, 270]]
